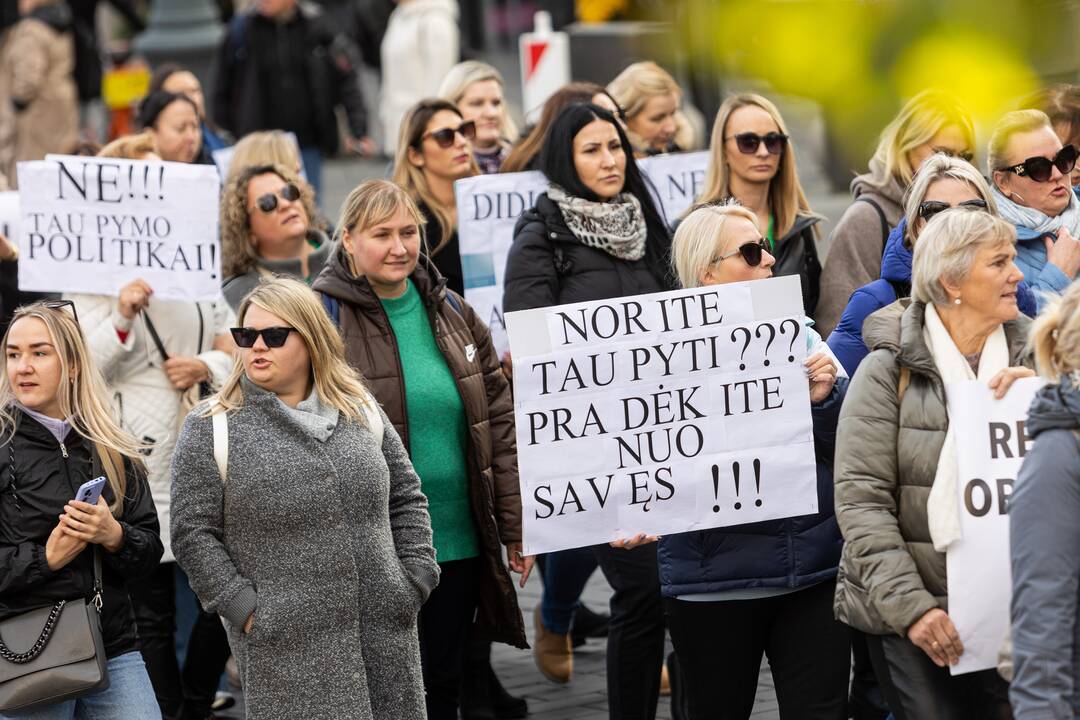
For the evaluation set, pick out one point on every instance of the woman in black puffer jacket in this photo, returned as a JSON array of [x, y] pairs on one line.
[[596, 234], [55, 434]]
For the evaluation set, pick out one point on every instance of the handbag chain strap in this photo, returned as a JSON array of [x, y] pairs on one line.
[[39, 645], [54, 614]]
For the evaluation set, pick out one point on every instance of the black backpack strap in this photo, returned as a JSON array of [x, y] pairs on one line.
[[881, 216], [154, 335]]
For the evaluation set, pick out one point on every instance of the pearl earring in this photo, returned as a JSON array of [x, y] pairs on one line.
[[957, 301]]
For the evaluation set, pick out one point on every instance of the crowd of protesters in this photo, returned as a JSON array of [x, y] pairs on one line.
[[323, 463]]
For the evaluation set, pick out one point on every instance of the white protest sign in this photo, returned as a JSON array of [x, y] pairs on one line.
[[490, 205], [662, 413], [991, 443], [92, 225], [678, 179]]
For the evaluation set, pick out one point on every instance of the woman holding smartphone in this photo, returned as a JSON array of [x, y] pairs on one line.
[[299, 519], [55, 429]]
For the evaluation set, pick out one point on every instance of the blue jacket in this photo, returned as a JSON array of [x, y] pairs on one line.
[[1044, 278], [1045, 542], [788, 553], [846, 339]]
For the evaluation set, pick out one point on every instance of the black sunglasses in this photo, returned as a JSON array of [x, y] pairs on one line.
[[60, 305], [751, 252], [268, 203], [1040, 168], [930, 208], [274, 337], [749, 142], [445, 136]]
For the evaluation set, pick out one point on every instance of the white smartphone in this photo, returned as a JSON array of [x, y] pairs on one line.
[[90, 491]]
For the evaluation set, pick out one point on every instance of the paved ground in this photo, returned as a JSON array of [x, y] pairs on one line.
[[585, 697]]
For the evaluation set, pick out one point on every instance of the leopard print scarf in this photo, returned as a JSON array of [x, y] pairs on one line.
[[617, 227]]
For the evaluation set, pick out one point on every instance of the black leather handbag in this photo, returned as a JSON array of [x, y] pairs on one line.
[[54, 653]]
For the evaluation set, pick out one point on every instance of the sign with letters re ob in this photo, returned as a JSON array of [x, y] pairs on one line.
[[662, 413]]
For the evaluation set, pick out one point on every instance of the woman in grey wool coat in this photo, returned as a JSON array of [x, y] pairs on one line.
[[315, 544]]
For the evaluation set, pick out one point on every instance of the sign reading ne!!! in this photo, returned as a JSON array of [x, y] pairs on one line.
[[92, 225]]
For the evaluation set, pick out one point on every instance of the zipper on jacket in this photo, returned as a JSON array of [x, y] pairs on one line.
[[63, 449]]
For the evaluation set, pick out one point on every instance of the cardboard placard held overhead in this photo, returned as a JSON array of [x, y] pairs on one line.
[[662, 413]]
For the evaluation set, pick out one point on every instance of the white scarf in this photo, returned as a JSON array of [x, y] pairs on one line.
[[1034, 220], [942, 507]]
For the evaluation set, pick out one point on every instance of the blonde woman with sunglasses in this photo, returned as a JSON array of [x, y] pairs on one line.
[[1030, 170], [299, 518], [732, 595], [930, 122], [435, 149], [754, 163], [56, 433]]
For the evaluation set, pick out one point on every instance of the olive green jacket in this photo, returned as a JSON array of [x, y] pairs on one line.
[[887, 451]]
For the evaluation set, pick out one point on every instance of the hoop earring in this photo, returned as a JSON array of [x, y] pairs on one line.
[[1018, 196]]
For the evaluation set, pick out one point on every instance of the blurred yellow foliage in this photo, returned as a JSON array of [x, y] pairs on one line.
[[986, 75], [594, 11]]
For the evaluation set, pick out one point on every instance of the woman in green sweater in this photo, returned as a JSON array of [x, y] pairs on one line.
[[429, 360]]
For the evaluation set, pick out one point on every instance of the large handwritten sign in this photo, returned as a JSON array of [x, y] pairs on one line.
[[662, 413]]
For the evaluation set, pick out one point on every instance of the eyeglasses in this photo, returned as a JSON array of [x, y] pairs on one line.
[[962, 155], [930, 208], [1040, 169], [445, 136], [60, 305], [752, 252], [749, 142], [268, 203], [274, 337]]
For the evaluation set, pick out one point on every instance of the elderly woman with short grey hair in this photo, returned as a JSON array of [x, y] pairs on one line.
[[896, 461]]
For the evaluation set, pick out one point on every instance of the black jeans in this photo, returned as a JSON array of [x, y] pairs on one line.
[[187, 694], [719, 646], [444, 623], [866, 701], [917, 689], [635, 646]]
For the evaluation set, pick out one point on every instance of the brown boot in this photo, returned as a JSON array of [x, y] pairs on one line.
[[553, 654]]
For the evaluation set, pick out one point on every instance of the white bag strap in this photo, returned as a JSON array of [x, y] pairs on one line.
[[374, 419], [221, 442]]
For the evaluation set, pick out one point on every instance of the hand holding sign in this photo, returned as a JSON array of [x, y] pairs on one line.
[[134, 297], [93, 225], [822, 371]]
